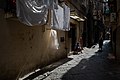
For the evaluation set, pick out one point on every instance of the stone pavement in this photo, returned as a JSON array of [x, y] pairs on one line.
[[90, 65]]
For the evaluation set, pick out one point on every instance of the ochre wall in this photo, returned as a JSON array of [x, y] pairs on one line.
[[24, 48]]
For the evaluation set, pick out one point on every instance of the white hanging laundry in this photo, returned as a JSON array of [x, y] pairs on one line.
[[60, 18], [66, 25], [57, 18], [32, 12], [54, 39], [53, 4]]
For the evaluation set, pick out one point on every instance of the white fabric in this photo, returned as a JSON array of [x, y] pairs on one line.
[[53, 4], [57, 18], [54, 39], [66, 18], [60, 18], [32, 12]]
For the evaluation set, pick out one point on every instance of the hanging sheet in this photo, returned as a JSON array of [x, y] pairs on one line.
[[57, 18], [53, 4], [60, 18], [32, 12], [66, 25]]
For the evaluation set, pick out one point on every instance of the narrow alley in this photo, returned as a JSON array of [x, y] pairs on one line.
[[60, 40], [90, 65]]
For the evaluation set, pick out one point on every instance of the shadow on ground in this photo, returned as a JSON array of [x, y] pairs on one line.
[[48, 68], [97, 67]]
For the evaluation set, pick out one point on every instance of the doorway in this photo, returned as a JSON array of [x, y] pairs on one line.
[[73, 36]]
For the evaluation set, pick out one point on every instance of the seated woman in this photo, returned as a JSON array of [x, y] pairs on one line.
[[77, 48]]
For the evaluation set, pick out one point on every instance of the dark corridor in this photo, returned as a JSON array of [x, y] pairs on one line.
[[73, 37]]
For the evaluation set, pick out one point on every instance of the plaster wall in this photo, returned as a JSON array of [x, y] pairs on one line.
[[24, 48]]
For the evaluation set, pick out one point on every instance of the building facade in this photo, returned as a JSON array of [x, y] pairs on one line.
[[117, 32], [24, 49]]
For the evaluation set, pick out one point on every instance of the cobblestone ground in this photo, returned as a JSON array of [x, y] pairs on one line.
[[90, 65]]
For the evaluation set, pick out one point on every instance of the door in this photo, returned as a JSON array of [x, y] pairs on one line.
[[73, 38]]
